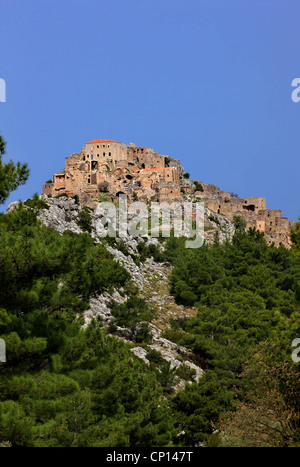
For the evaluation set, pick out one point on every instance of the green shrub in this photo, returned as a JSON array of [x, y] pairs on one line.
[[198, 186], [36, 203], [148, 251], [214, 219], [76, 198], [186, 373], [188, 298], [143, 333], [134, 311], [84, 220], [155, 357], [239, 223]]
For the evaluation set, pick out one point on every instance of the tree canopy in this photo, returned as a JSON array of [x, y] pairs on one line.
[[11, 175]]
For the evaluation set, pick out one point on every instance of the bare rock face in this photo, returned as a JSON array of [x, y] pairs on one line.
[[61, 215], [219, 225], [12, 206], [99, 306], [141, 353]]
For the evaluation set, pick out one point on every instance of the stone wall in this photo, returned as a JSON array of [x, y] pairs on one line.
[[253, 210], [129, 169]]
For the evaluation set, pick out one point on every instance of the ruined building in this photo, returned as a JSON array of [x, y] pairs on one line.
[[253, 210], [107, 166]]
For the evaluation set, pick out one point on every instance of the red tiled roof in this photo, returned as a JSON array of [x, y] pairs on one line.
[[102, 141]]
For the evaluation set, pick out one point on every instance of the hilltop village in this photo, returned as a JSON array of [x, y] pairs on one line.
[[107, 166]]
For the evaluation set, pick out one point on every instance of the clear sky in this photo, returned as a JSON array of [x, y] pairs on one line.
[[205, 81]]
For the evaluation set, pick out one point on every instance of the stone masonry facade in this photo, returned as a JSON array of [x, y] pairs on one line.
[[108, 167], [253, 210]]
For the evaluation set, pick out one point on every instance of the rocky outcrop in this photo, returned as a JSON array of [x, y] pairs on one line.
[[62, 214]]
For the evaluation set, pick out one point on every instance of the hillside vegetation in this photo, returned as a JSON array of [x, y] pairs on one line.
[[65, 384]]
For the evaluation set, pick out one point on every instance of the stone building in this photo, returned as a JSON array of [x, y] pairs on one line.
[[107, 165], [253, 210]]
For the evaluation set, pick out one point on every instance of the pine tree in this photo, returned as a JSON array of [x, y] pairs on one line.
[[11, 175]]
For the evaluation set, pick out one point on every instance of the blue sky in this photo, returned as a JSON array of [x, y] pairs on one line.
[[205, 81]]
